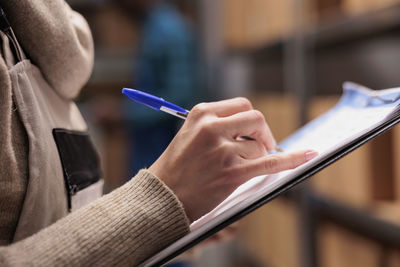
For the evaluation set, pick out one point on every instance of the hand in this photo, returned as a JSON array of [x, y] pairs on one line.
[[207, 160]]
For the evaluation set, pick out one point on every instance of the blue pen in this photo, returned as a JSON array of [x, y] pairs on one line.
[[156, 103]]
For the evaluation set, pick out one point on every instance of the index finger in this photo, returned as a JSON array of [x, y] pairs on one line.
[[275, 163]]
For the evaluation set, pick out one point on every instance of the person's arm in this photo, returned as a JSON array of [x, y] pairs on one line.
[[56, 39], [121, 229], [206, 158]]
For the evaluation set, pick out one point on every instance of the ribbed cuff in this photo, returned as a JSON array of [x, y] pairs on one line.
[[123, 228]]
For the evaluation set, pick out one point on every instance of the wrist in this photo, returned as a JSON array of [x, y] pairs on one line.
[[179, 194]]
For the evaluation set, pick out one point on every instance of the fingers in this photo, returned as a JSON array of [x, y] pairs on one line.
[[224, 108], [251, 124], [250, 149], [276, 163]]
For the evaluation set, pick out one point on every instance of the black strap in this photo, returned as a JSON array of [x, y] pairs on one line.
[[4, 24], [5, 27]]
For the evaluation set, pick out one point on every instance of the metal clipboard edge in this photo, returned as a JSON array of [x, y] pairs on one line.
[[284, 188]]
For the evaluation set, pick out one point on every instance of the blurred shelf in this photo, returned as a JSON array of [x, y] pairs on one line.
[[316, 209], [361, 222], [362, 48], [340, 30], [348, 29]]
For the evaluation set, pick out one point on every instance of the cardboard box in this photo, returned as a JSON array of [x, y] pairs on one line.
[[113, 29], [271, 234], [394, 258], [326, 9], [339, 247], [253, 23], [389, 210], [280, 111], [355, 7]]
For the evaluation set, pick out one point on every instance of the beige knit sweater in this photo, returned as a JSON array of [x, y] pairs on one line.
[[122, 228]]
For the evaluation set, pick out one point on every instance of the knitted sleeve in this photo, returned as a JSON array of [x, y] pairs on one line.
[[56, 39], [123, 228]]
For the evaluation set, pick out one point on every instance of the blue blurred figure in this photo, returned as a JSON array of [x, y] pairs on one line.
[[166, 66]]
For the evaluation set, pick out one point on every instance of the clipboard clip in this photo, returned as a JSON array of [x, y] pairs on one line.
[[383, 100], [371, 94]]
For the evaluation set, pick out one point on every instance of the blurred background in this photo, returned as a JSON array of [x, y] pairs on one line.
[[290, 58]]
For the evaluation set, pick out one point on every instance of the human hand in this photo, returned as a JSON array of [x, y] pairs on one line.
[[207, 159]]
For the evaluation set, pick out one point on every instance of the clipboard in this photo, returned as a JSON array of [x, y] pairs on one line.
[[368, 113]]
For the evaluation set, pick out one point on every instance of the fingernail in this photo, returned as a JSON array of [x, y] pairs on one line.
[[311, 154]]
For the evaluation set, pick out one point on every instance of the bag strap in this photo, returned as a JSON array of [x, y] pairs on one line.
[[5, 27], [4, 24]]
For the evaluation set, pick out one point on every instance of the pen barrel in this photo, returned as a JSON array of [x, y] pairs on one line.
[[182, 115]]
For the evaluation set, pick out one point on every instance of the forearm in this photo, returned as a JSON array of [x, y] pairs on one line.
[[122, 228], [56, 39]]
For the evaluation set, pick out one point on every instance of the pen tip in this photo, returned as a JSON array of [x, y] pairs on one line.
[[127, 91]]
